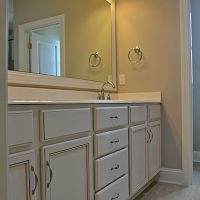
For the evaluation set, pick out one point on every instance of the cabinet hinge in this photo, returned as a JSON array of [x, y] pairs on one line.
[[29, 45]]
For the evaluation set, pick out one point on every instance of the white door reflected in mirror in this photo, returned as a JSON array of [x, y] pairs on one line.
[[40, 46], [44, 52]]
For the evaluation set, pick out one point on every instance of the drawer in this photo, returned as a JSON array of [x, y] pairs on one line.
[[138, 114], [110, 141], [20, 127], [111, 167], [154, 112], [58, 123], [110, 117], [119, 190]]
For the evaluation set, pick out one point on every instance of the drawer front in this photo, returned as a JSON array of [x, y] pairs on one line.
[[110, 141], [20, 127], [138, 114], [110, 117], [58, 123], [115, 191], [154, 112], [111, 167]]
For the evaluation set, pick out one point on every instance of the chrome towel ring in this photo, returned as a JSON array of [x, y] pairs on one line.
[[139, 53], [94, 59]]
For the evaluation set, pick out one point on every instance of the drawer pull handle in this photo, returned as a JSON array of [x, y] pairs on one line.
[[36, 180], [116, 196], [51, 174], [114, 168], [114, 117], [151, 135], [115, 141]]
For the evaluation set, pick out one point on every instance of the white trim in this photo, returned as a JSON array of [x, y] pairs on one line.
[[186, 85], [43, 81], [3, 98], [25, 29], [174, 176], [23, 79], [114, 55], [196, 156]]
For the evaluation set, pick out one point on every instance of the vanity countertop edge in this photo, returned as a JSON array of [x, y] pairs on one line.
[[39, 102]]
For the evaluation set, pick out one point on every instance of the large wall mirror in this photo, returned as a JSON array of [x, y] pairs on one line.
[[61, 42]]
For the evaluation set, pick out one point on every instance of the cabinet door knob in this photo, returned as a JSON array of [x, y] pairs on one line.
[[51, 174], [115, 167], [114, 141], [116, 196], [36, 180]]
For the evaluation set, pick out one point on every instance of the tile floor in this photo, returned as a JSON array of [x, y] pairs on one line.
[[164, 191], [196, 174]]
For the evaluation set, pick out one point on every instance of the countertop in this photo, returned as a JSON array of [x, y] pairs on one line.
[[81, 98], [38, 102]]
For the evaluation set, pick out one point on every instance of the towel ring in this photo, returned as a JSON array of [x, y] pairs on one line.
[[139, 53], [97, 57]]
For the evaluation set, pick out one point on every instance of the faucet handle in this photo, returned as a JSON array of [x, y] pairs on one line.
[[108, 97], [98, 96]]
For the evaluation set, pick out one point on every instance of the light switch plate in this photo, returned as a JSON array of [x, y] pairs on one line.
[[122, 79], [110, 78]]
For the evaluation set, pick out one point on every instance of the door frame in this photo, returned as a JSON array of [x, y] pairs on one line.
[[3, 97], [187, 92], [24, 30]]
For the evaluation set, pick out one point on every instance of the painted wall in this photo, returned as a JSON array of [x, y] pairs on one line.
[[195, 5], [88, 30], [154, 26]]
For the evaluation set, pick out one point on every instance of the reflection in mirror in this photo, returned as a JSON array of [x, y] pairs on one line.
[[70, 38]]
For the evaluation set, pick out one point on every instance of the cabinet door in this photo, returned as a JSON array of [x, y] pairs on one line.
[[22, 180], [138, 158], [154, 148], [67, 170]]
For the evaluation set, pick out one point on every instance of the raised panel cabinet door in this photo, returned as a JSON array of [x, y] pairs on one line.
[[67, 170], [154, 148], [138, 158], [22, 178]]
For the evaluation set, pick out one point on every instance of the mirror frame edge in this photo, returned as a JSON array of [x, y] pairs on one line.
[[23, 79]]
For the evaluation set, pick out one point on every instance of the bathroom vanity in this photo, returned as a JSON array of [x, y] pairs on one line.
[[102, 150]]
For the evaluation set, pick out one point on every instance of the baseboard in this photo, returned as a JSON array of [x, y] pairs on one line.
[[196, 156], [174, 176]]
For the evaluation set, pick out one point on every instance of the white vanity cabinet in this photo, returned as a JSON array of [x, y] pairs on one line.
[[67, 170], [111, 153], [154, 148], [64, 122], [110, 117], [82, 152], [22, 178], [138, 158], [144, 145], [22, 175], [20, 128]]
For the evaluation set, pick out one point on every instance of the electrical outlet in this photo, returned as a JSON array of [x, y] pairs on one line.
[[122, 79]]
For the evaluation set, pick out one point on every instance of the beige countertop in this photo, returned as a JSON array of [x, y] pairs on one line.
[[29, 102], [123, 98]]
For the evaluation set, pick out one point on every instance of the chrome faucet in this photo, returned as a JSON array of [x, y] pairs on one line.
[[101, 95]]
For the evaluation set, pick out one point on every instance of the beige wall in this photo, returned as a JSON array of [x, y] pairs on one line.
[[88, 29], [154, 26]]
